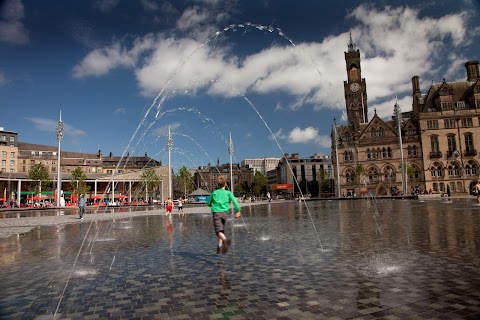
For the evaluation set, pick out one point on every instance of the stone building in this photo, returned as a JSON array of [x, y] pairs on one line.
[[205, 177], [437, 138], [8, 151]]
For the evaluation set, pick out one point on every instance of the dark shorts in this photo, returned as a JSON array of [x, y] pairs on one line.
[[219, 220]]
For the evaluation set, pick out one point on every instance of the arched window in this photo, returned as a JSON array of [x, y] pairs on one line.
[[373, 132], [389, 174], [453, 169], [381, 132], [389, 152], [384, 152], [372, 175], [471, 168], [374, 154], [369, 155]]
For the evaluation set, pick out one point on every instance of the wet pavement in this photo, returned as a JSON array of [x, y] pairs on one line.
[[358, 259]]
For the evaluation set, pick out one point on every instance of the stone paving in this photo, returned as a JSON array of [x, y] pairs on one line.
[[362, 259]]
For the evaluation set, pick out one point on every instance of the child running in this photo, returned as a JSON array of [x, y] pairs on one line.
[[169, 207], [219, 202]]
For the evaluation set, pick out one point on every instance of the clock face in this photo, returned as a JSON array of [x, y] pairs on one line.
[[354, 87]]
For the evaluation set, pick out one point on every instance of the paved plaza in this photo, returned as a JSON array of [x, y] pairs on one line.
[[350, 259]]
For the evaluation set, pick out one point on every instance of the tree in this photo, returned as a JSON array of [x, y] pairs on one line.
[[259, 184], [77, 181], [40, 179], [184, 182], [324, 180], [150, 181]]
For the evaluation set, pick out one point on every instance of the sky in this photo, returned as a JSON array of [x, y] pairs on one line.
[[267, 73]]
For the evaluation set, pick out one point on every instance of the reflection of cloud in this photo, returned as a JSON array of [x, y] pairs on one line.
[[50, 125], [120, 111], [12, 29]]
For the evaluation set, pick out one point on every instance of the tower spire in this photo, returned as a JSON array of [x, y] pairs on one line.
[[351, 45]]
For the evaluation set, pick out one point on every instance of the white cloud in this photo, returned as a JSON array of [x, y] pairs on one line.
[[50, 125], [311, 73], [120, 111], [304, 136], [3, 79], [12, 29], [163, 130], [106, 5]]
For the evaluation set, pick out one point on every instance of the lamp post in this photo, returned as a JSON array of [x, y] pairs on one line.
[[169, 148], [230, 151], [59, 173]]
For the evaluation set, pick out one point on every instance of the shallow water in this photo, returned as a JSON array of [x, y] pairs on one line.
[[290, 260]]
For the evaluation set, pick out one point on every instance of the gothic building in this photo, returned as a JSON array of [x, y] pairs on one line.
[[437, 144]]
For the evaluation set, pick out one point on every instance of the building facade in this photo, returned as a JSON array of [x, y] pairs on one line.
[[8, 151], [262, 165], [431, 147], [205, 177]]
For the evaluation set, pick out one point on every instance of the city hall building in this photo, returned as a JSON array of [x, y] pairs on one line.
[[436, 140]]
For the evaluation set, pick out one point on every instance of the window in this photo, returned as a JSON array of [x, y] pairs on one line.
[[450, 123], [372, 175], [453, 170], [467, 122], [4, 138], [432, 124], [4, 162], [469, 150], [369, 155], [4, 154], [471, 168], [12, 154], [389, 152], [381, 132], [434, 144], [32, 161], [12, 163], [12, 139], [452, 144]]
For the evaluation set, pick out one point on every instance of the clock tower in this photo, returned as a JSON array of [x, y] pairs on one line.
[[355, 88]]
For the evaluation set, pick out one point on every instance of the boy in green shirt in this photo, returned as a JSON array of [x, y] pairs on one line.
[[219, 202]]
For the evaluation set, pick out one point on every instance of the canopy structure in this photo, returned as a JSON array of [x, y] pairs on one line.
[[200, 195]]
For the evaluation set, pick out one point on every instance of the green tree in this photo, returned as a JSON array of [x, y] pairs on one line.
[[324, 180], [314, 188], [184, 182], [150, 181], [239, 189], [40, 179], [259, 184], [77, 181]]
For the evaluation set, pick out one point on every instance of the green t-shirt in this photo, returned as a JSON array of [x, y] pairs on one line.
[[220, 201]]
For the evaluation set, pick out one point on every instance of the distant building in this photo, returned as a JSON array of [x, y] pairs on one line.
[[438, 138], [205, 177], [262, 165], [8, 150]]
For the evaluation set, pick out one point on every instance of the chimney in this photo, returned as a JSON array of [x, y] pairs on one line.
[[415, 85], [472, 70], [100, 154]]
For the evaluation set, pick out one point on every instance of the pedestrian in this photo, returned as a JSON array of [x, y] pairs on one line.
[[169, 207], [81, 205], [477, 191], [180, 206], [268, 196], [219, 202], [448, 191]]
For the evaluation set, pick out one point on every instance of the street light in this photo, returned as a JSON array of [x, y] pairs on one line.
[[169, 148], [59, 173], [230, 151]]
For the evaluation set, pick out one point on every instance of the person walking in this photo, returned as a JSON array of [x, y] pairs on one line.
[[219, 202], [180, 206], [169, 206], [81, 205]]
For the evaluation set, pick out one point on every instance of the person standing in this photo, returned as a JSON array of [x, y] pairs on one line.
[[268, 196], [477, 191], [219, 202], [180, 206], [81, 206]]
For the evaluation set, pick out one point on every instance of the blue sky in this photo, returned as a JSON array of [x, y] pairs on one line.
[[270, 73]]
